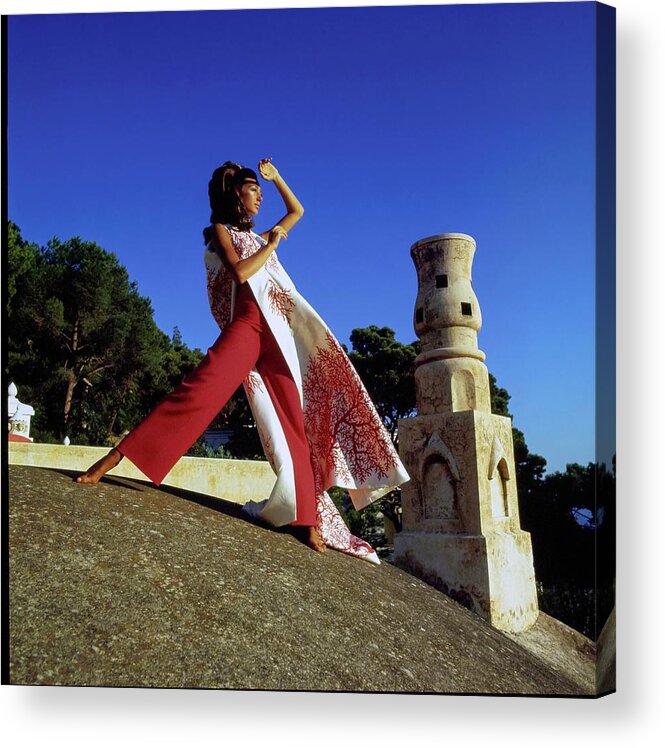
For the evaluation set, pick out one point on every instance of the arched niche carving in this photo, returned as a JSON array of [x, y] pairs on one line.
[[439, 477], [499, 475]]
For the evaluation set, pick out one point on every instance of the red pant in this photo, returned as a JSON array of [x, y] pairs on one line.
[[159, 441]]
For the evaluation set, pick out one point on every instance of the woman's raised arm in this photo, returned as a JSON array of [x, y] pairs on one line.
[[295, 211]]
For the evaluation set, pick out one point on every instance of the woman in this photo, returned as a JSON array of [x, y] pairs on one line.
[[317, 424]]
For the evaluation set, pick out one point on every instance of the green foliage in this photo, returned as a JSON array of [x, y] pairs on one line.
[[83, 347], [237, 416], [21, 259], [574, 562], [366, 524], [201, 449], [572, 604], [499, 398], [85, 351], [571, 558]]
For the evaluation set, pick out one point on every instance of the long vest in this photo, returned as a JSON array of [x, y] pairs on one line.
[[349, 444]]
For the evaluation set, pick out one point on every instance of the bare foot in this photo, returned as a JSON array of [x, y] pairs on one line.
[[100, 468], [310, 537]]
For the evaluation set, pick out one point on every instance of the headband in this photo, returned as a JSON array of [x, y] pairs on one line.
[[242, 176]]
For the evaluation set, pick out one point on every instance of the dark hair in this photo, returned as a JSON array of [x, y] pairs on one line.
[[225, 205]]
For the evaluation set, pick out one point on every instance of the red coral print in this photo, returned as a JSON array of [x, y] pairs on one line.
[[220, 283], [244, 243], [268, 449], [334, 532], [219, 294], [331, 526], [272, 262], [280, 301], [252, 383], [247, 243], [346, 434]]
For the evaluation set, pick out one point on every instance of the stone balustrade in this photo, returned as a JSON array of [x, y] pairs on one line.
[[233, 480]]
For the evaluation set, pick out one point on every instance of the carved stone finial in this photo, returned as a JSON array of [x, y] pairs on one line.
[[450, 374], [447, 315]]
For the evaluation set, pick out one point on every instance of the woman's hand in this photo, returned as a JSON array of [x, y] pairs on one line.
[[276, 234], [267, 170], [294, 209]]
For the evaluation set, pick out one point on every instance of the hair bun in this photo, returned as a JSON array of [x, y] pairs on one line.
[[222, 177], [224, 203]]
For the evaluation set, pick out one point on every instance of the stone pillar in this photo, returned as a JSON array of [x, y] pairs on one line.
[[460, 522]]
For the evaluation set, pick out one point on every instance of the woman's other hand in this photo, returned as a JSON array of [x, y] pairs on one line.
[[276, 234], [267, 170]]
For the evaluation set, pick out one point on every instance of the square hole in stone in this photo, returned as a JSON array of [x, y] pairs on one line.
[[441, 281], [419, 314], [466, 308]]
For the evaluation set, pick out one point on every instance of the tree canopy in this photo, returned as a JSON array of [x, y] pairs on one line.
[[83, 346]]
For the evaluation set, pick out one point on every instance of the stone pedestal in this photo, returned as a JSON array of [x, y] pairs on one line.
[[460, 521]]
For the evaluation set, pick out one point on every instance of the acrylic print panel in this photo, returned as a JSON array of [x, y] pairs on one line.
[[457, 175]]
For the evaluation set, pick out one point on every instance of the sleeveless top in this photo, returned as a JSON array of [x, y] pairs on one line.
[[221, 287]]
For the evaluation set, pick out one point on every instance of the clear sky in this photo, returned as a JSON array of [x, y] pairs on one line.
[[389, 123]]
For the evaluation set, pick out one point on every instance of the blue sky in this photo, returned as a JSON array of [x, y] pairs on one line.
[[389, 123]]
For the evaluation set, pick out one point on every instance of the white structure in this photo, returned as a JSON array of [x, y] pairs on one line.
[[461, 530], [18, 413]]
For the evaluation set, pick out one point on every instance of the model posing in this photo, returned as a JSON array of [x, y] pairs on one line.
[[317, 424]]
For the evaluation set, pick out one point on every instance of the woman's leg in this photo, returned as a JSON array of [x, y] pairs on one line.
[[285, 397], [158, 442]]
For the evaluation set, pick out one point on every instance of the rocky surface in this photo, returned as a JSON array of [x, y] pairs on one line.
[[123, 584]]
